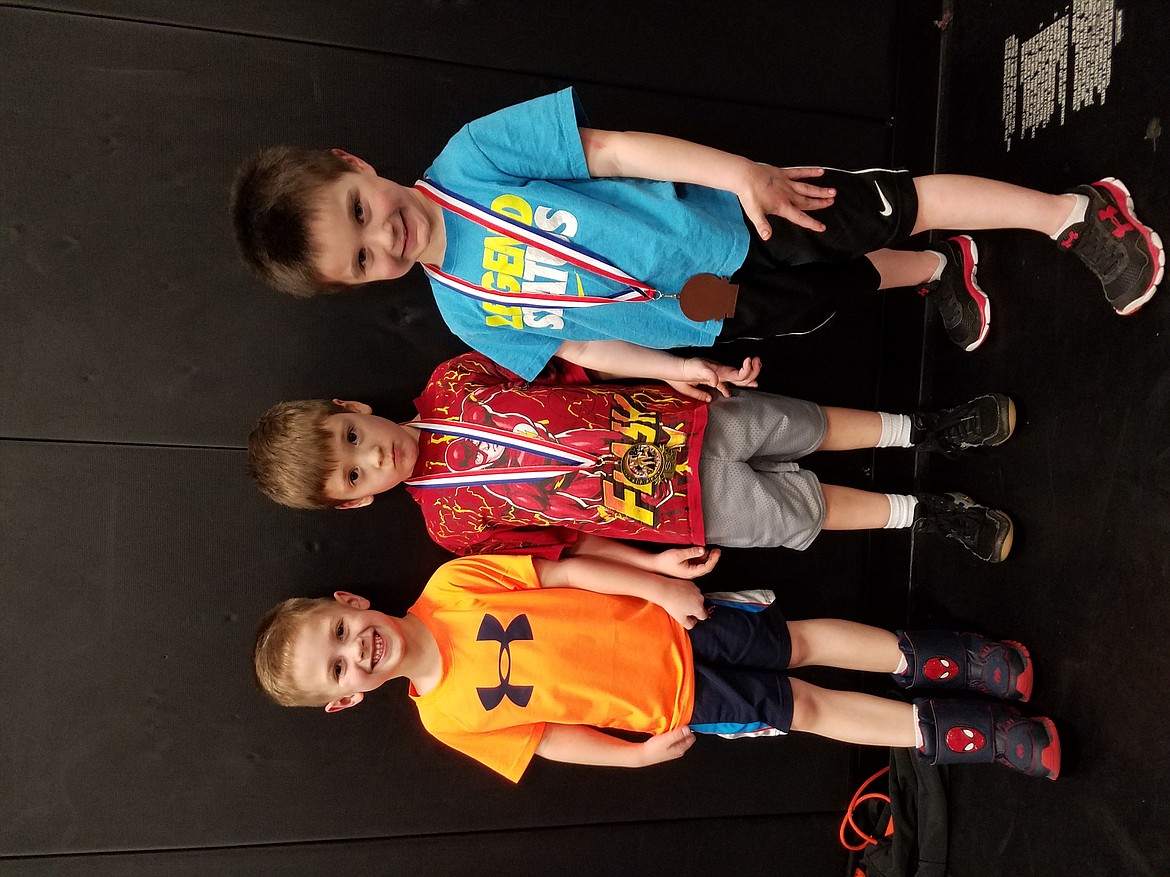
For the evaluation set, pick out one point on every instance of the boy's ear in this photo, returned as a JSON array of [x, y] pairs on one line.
[[353, 160], [355, 407], [355, 601], [344, 703], [356, 503]]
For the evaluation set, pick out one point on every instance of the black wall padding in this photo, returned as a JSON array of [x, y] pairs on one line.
[[759, 846], [823, 56], [127, 317], [135, 353]]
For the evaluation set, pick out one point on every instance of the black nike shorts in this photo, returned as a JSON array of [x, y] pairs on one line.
[[794, 282]]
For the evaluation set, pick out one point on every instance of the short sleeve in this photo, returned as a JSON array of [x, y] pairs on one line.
[[535, 140], [507, 751]]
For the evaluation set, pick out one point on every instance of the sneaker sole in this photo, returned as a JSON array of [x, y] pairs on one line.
[[1005, 547], [1024, 681], [1050, 757], [971, 256], [1011, 422], [1124, 200]]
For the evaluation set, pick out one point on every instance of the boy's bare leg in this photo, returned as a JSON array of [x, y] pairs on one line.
[[851, 716], [900, 268], [847, 508], [962, 202], [850, 428], [834, 642]]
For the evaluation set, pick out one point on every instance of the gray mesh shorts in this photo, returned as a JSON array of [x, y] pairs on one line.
[[754, 496]]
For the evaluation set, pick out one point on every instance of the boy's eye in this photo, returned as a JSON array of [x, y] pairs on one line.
[[337, 672], [351, 436], [340, 630], [359, 212], [362, 258], [353, 476]]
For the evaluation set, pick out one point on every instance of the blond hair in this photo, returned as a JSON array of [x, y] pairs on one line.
[[290, 453], [272, 657], [275, 197]]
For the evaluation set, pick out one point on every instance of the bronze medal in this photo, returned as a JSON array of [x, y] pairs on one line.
[[707, 297]]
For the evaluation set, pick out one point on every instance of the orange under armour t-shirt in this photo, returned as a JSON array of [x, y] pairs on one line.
[[516, 656]]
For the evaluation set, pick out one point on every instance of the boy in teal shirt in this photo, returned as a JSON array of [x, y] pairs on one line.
[[659, 211]]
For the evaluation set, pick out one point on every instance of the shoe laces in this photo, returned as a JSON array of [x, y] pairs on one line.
[[950, 430], [950, 519], [1099, 249]]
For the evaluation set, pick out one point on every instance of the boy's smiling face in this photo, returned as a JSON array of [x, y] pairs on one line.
[[369, 228], [346, 649], [373, 454]]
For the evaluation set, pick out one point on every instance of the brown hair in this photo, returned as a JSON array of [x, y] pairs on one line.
[[272, 656], [274, 198], [290, 454]]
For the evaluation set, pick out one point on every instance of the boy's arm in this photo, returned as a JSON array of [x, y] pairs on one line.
[[761, 188], [579, 744], [682, 563], [681, 599], [621, 359]]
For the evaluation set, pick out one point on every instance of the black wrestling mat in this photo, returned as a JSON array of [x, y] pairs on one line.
[[1049, 95]]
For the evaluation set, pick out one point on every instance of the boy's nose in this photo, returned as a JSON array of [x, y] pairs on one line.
[[383, 237]]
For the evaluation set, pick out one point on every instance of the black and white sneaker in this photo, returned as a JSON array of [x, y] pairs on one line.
[[985, 421], [986, 533], [964, 307], [1125, 255]]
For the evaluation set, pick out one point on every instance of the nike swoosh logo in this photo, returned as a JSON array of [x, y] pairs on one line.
[[887, 209]]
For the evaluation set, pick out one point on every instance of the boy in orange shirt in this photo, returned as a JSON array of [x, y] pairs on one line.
[[511, 657]]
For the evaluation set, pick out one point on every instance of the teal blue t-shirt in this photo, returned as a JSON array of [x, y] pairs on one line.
[[527, 162]]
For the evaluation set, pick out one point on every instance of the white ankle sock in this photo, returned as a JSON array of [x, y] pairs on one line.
[[918, 741], [942, 266], [901, 511], [903, 666], [1077, 215], [895, 431]]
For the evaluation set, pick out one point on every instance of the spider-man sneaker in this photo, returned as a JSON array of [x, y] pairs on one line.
[[964, 307], [943, 659], [1126, 255], [975, 732]]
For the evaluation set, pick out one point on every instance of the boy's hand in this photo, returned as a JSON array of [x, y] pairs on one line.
[[667, 746], [703, 372], [683, 602], [686, 563], [779, 192]]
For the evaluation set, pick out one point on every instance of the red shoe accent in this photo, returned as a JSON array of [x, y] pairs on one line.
[[1121, 196], [1050, 757], [1024, 682], [967, 269]]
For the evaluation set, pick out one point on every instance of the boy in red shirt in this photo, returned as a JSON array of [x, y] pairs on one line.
[[511, 657], [503, 465]]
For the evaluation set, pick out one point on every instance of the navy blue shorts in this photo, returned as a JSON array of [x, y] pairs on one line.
[[741, 654]]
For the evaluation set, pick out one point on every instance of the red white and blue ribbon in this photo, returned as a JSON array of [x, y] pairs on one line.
[[635, 290], [566, 460]]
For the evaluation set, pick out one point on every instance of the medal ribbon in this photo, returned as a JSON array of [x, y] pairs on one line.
[[547, 243], [569, 459]]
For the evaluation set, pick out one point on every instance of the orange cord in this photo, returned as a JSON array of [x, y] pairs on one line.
[[859, 798]]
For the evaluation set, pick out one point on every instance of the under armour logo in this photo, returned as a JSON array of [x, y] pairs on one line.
[[491, 629], [1119, 228]]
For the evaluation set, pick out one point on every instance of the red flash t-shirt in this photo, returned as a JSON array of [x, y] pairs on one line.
[[644, 484]]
